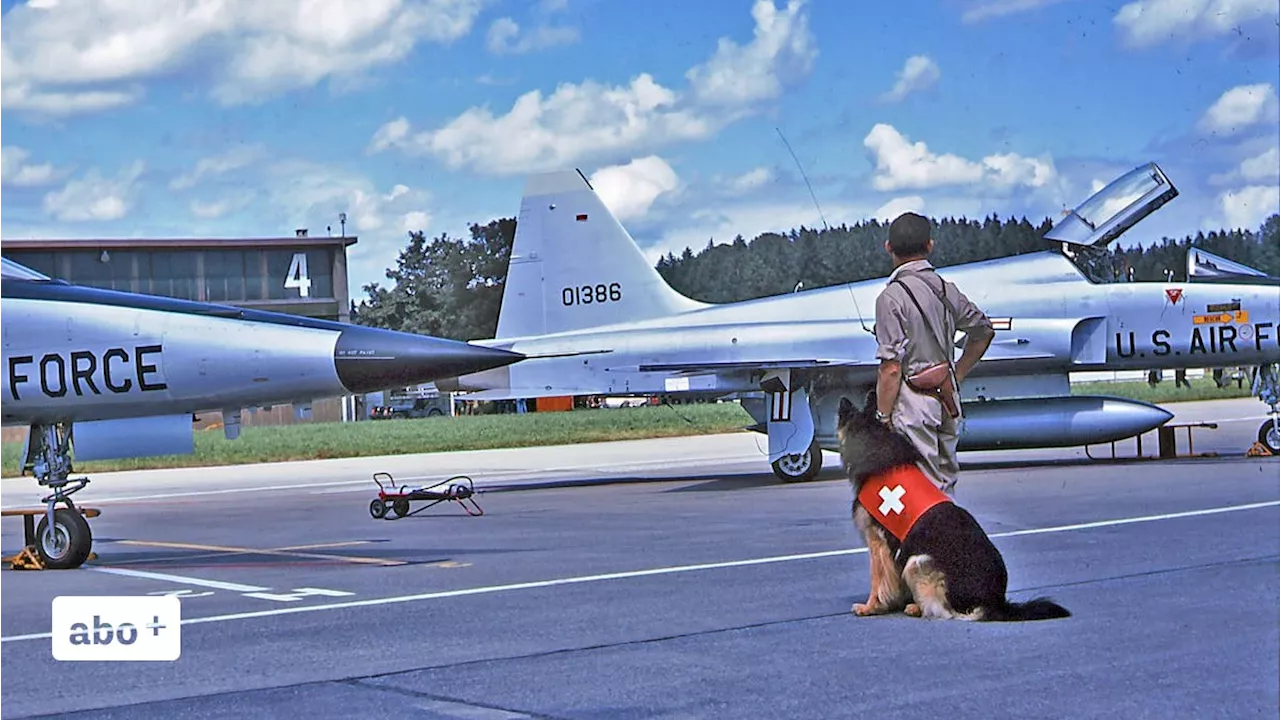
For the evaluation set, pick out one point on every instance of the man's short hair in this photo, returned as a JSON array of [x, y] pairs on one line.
[[909, 235]]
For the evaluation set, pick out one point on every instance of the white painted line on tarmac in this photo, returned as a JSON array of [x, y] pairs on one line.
[[1251, 418], [491, 589], [350, 485], [179, 579], [202, 493], [1130, 521]]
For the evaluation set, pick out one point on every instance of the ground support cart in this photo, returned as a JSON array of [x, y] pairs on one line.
[[397, 498]]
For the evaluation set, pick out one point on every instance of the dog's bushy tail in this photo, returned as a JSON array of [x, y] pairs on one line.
[[1040, 608]]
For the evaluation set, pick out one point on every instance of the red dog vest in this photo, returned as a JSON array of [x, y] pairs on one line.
[[897, 498]]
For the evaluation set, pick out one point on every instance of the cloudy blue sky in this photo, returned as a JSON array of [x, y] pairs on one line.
[[124, 118]]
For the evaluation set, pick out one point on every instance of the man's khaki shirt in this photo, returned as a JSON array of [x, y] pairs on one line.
[[902, 333]]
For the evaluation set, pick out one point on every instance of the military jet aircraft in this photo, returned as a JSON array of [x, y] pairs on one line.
[[580, 294], [105, 374]]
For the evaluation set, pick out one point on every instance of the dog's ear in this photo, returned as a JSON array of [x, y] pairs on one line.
[[869, 406], [846, 408]]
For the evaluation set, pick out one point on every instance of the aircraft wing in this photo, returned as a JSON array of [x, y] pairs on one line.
[[756, 365], [677, 369], [529, 392]]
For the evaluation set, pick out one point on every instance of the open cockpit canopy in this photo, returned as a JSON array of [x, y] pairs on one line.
[[1108, 213]]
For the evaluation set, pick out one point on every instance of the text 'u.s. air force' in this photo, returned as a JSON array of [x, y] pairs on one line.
[[85, 372]]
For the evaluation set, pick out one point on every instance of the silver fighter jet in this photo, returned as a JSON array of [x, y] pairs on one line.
[[581, 297], [105, 374]]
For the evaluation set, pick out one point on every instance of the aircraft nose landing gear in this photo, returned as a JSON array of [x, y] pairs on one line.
[[62, 540]]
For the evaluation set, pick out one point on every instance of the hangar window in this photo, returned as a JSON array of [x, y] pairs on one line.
[[224, 275]]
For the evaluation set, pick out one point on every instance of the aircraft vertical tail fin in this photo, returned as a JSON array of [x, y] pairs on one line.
[[574, 266]]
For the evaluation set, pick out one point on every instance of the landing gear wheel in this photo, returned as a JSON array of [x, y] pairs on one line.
[[68, 542], [799, 468], [1268, 435], [400, 507], [377, 508]]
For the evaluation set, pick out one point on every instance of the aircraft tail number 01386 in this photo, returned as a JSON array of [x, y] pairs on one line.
[[591, 294]]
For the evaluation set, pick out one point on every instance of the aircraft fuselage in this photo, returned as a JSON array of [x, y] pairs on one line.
[[78, 354], [1049, 320]]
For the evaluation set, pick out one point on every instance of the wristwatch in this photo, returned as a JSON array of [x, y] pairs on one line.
[[881, 416]]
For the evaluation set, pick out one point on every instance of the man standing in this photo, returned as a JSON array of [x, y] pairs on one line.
[[917, 316]]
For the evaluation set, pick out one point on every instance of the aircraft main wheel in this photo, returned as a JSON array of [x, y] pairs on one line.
[[799, 468], [1269, 436], [377, 508], [69, 542]]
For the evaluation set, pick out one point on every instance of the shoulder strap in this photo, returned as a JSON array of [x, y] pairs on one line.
[[940, 295], [933, 332]]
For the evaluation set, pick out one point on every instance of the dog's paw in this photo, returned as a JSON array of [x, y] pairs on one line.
[[863, 609], [913, 610]]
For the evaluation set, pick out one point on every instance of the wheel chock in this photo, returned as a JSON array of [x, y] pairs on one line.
[[1259, 450], [29, 559]]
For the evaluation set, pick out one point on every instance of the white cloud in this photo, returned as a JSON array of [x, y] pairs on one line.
[[505, 38], [94, 197], [574, 123], [233, 159], [63, 58], [231, 202], [18, 172], [748, 181], [1147, 22], [209, 210], [919, 73], [630, 190], [999, 8], [579, 123], [390, 135], [1247, 207], [899, 205], [1262, 168], [1241, 107], [901, 164], [316, 195], [306, 194], [781, 52], [414, 220]]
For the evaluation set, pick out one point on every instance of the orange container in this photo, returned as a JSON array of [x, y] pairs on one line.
[[553, 404]]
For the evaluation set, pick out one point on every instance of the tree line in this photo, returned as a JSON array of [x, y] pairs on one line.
[[452, 287]]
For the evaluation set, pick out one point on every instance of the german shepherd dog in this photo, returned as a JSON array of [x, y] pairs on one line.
[[946, 566]]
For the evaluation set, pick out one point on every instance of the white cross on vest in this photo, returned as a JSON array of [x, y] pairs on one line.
[[892, 500]]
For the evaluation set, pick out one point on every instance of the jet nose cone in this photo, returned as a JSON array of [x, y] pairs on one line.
[[370, 359]]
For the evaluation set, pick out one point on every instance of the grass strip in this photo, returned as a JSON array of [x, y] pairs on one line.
[[318, 441]]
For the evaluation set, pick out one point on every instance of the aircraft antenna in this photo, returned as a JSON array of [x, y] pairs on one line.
[[853, 296], [806, 178]]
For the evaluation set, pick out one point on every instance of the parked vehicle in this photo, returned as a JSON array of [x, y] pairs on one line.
[[413, 408]]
